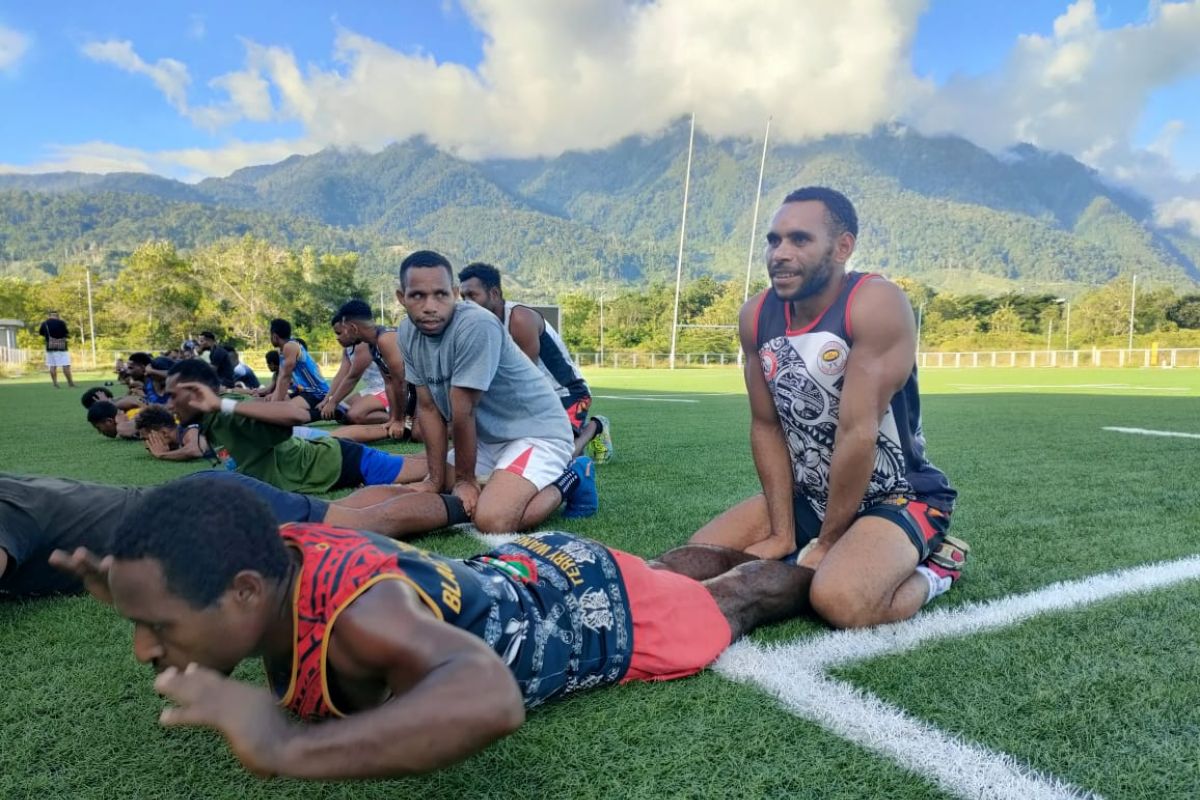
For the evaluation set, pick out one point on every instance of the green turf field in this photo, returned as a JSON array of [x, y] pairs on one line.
[[1103, 696]]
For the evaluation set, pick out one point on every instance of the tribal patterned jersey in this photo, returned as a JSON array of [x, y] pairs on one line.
[[805, 371], [551, 605]]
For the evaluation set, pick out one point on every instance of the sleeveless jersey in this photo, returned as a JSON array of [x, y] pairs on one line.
[[376, 356], [307, 375], [551, 605], [805, 371], [371, 378], [554, 361]]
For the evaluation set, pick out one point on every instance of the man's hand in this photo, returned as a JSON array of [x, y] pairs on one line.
[[468, 492], [327, 408], [203, 398], [157, 442], [428, 486], [245, 715], [773, 547], [89, 568], [395, 429]]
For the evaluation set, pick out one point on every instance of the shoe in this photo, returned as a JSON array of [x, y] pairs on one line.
[[584, 499], [949, 559], [601, 446]]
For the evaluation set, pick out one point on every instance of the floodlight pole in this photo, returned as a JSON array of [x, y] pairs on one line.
[[762, 165], [91, 316], [920, 319], [602, 328], [1132, 305], [687, 175]]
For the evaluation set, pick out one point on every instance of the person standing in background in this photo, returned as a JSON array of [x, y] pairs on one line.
[[54, 331]]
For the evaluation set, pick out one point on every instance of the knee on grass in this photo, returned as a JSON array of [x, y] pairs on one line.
[[842, 605]]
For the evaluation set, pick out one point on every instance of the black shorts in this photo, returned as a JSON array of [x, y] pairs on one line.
[[925, 525]]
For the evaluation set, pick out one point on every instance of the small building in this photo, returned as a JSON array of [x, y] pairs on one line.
[[8, 332]]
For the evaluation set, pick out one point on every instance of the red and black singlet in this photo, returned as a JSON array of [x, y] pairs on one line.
[[551, 605]]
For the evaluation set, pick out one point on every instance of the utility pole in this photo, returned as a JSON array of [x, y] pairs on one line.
[[1132, 305], [762, 165]]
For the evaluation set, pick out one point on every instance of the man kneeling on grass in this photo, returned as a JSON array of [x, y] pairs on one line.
[[423, 660]]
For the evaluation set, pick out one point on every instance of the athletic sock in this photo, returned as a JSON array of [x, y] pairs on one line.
[[455, 512], [599, 426], [938, 584], [567, 482]]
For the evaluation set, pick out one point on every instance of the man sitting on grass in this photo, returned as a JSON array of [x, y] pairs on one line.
[[256, 439], [416, 661], [39, 515]]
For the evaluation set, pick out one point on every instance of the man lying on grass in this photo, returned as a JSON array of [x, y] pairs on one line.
[[420, 660], [39, 515]]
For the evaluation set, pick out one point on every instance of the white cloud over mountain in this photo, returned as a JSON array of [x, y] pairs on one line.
[[557, 76]]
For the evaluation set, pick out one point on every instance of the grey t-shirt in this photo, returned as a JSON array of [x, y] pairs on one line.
[[476, 352]]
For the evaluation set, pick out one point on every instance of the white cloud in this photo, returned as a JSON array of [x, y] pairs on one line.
[[580, 75], [13, 47], [1180, 211], [189, 164], [1080, 91], [170, 76], [196, 27]]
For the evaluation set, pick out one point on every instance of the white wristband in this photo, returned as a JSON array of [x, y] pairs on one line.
[[228, 404]]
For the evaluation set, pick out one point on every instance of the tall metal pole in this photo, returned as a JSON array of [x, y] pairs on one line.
[[762, 165], [1068, 343], [602, 327], [1132, 304], [91, 316], [920, 319], [687, 175]]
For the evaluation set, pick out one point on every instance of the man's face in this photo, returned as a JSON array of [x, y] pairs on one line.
[[180, 401], [802, 255], [168, 631], [428, 296], [136, 371], [277, 341], [107, 427], [472, 289], [206, 344], [346, 333]]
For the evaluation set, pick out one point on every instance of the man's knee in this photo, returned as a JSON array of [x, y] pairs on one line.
[[489, 520], [840, 603]]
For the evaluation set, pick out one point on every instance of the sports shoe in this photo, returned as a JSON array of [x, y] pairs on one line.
[[601, 446], [949, 559], [584, 500]]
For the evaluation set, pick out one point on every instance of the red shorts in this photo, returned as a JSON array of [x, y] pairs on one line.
[[678, 629]]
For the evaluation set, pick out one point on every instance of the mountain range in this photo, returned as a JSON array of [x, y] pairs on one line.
[[937, 209]]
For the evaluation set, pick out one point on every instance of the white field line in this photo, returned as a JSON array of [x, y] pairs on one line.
[[645, 397], [1146, 432], [795, 674], [1068, 386]]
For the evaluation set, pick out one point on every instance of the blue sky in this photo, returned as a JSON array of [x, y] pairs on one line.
[[195, 90]]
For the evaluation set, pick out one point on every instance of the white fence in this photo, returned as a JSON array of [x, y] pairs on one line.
[[1143, 357]]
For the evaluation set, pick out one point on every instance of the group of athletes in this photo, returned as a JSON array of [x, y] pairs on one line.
[[413, 661]]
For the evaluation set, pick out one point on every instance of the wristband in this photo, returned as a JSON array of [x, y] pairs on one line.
[[228, 404]]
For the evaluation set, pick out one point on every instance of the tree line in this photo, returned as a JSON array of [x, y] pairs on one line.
[[162, 296]]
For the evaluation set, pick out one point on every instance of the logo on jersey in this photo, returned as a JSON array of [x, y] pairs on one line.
[[833, 358], [770, 364]]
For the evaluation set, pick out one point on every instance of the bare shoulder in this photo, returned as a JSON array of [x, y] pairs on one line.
[[377, 628], [879, 307]]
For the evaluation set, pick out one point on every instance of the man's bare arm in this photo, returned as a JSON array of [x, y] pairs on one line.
[[388, 345], [879, 364], [771, 457], [462, 405], [525, 325], [287, 365], [282, 414], [436, 444], [451, 697]]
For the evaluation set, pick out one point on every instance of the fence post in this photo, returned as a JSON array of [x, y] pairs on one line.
[[635, 360]]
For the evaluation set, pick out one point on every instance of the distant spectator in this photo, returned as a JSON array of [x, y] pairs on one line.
[[54, 331], [218, 357], [242, 374]]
